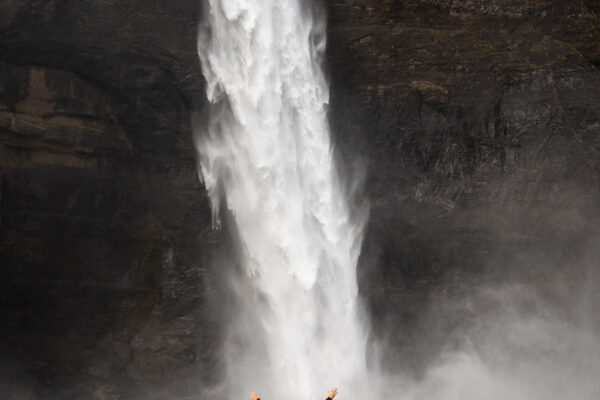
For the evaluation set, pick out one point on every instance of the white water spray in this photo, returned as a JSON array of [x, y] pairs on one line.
[[267, 154]]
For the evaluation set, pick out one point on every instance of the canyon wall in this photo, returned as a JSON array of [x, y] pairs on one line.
[[474, 126]]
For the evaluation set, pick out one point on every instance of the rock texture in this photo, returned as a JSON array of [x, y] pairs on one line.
[[104, 223], [477, 124]]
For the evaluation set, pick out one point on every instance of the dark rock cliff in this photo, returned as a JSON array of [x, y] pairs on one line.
[[104, 221], [477, 123]]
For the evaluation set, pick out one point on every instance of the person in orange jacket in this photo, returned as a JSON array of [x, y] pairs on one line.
[[330, 394]]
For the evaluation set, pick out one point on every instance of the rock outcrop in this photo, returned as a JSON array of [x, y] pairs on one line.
[[475, 123]]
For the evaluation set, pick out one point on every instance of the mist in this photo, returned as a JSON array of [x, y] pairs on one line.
[[520, 323]]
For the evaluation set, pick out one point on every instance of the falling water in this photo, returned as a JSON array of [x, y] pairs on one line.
[[267, 156]]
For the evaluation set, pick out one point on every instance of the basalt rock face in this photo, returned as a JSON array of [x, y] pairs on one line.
[[476, 125], [478, 122], [104, 222]]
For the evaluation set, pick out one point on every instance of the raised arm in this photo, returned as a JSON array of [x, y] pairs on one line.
[[254, 396], [331, 394]]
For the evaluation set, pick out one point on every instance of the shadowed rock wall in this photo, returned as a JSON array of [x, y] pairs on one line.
[[103, 220], [477, 123]]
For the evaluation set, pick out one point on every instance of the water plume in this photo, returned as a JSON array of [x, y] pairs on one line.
[[295, 326], [267, 157]]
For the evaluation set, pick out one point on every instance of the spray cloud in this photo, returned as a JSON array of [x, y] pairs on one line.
[[267, 156]]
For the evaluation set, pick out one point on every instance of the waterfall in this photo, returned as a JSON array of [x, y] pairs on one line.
[[267, 156]]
